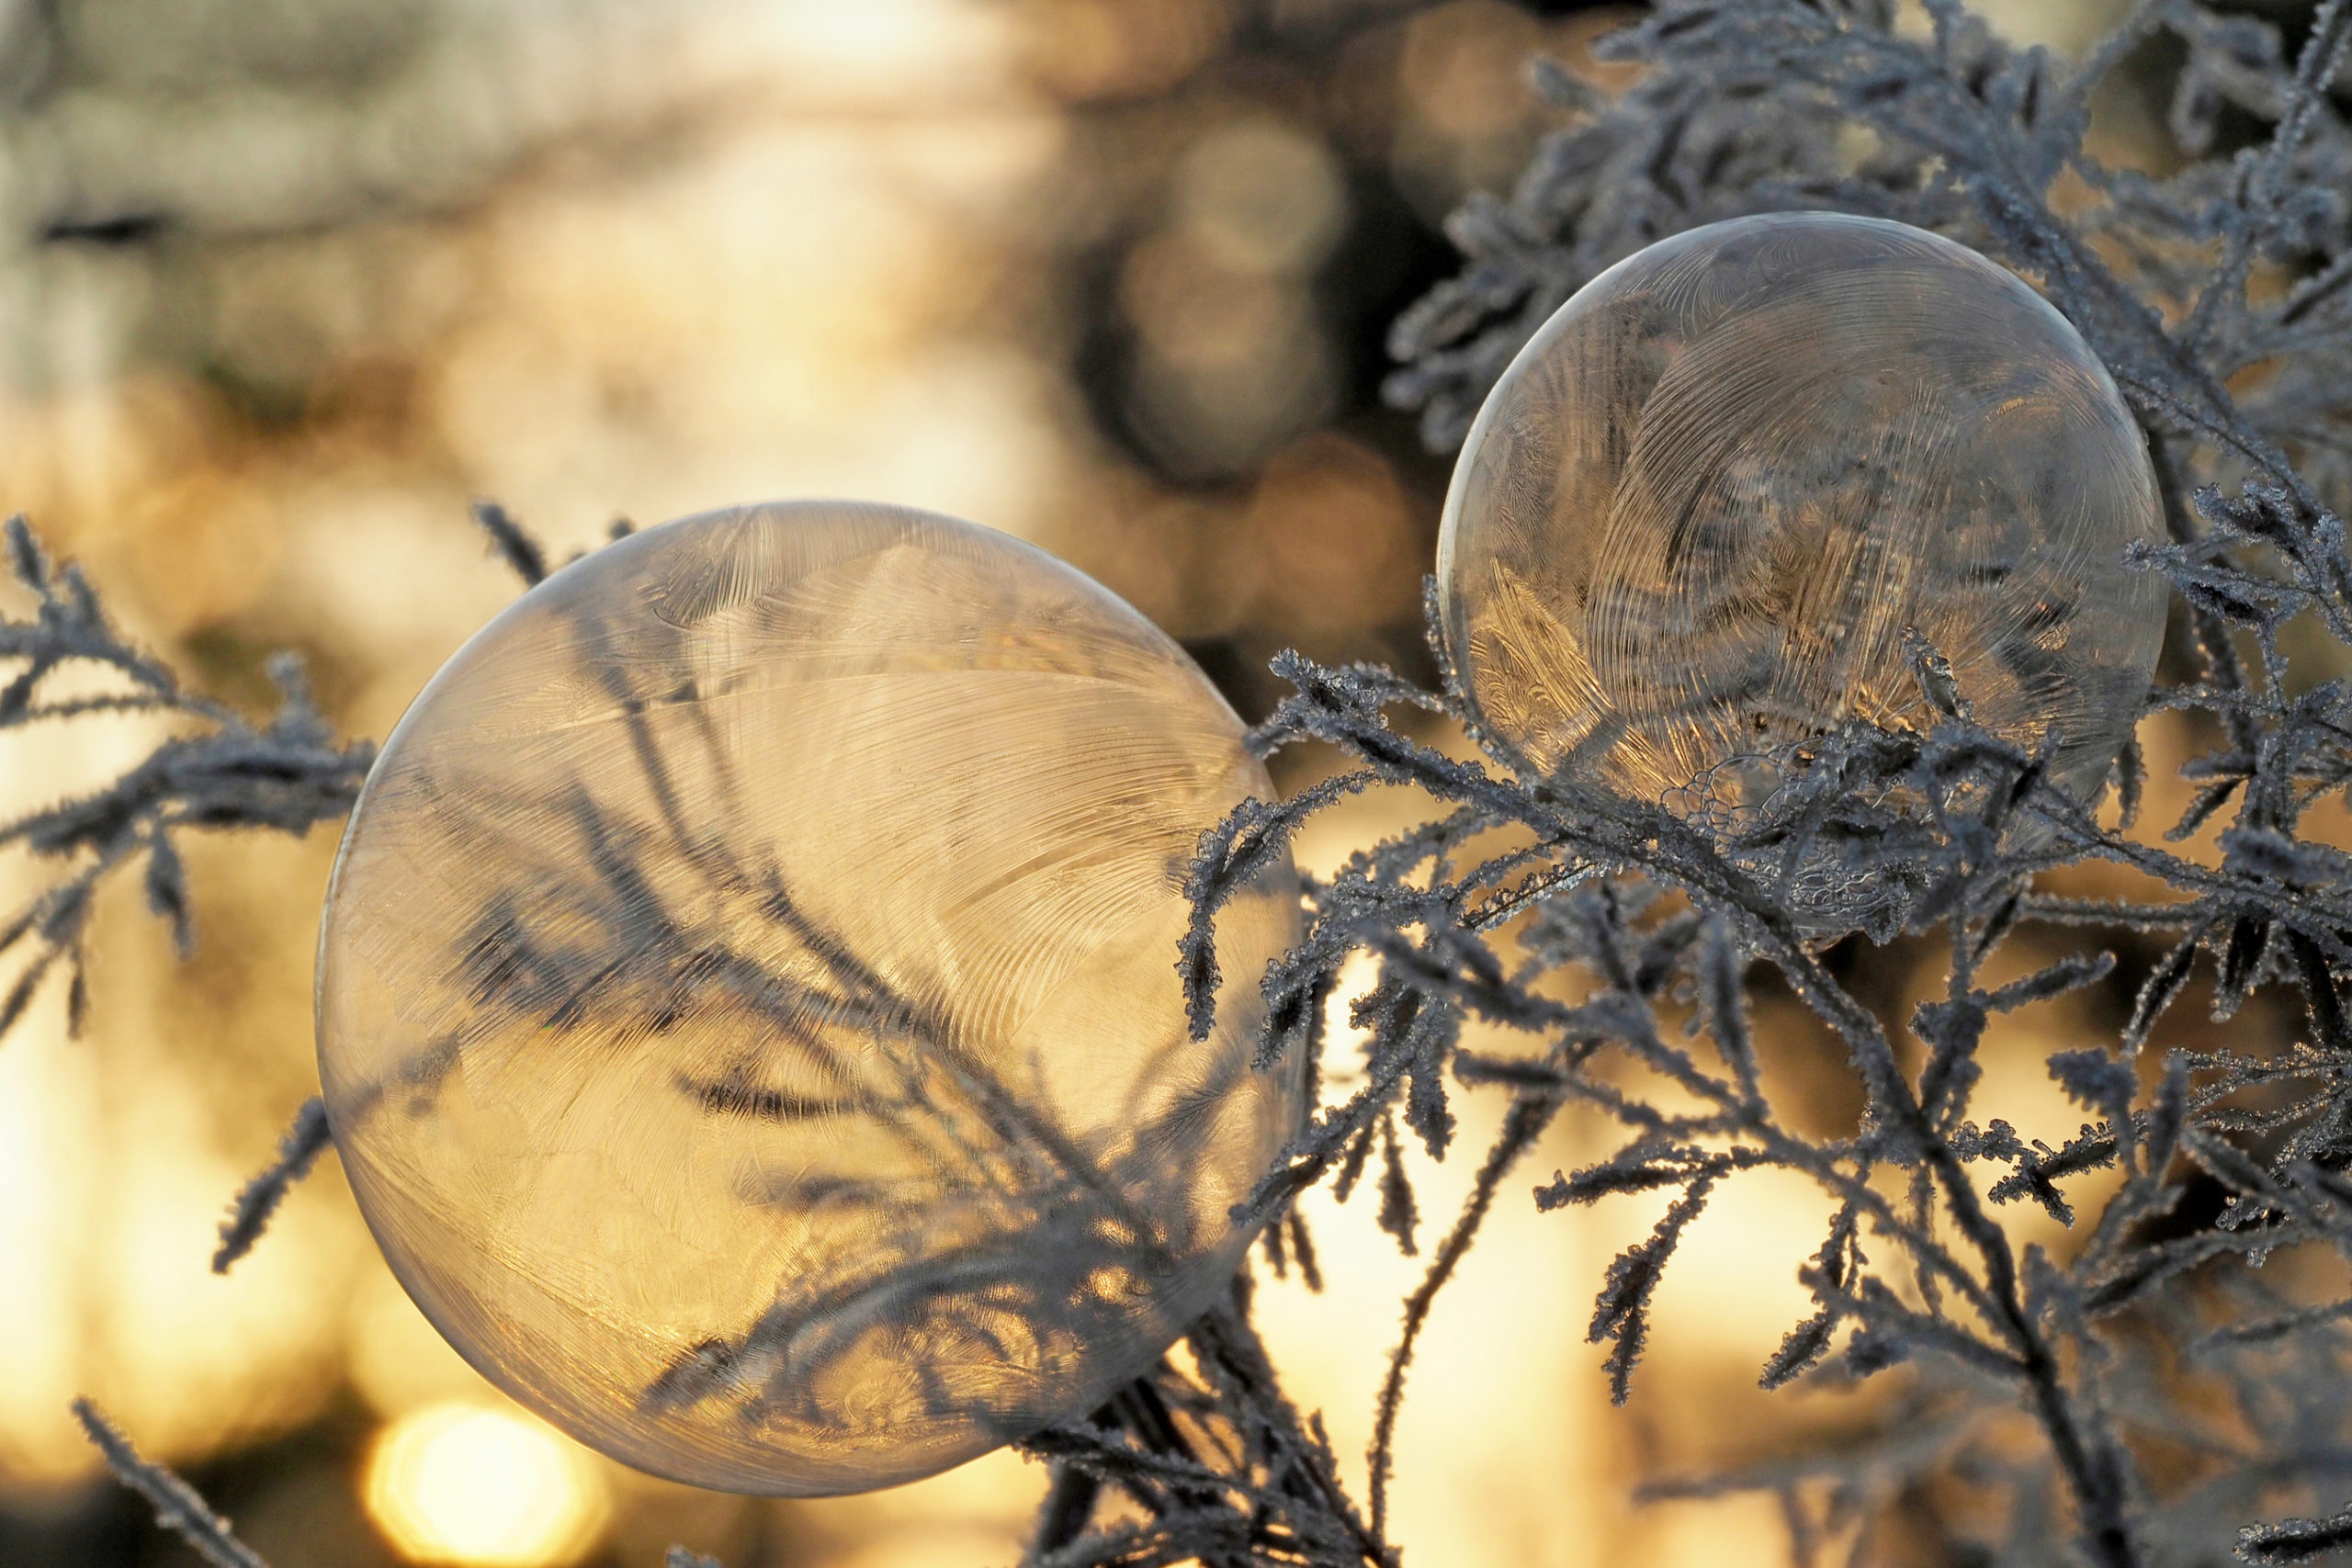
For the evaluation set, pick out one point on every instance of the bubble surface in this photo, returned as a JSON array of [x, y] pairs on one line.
[[748, 1003], [1699, 514]]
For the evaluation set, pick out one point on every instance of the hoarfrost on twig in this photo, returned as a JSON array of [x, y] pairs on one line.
[[177, 1506]]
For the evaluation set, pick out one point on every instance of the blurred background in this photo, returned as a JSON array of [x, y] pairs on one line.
[[285, 283]]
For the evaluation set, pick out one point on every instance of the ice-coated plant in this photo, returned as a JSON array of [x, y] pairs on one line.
[[2179, 1363]]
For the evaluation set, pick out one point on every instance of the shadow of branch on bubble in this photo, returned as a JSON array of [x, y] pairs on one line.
[[2175, 1392], [750, 1032]]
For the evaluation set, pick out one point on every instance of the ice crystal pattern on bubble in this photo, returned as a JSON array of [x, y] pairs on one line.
[[1721, 499], [2158, 1389], [747, 1011]]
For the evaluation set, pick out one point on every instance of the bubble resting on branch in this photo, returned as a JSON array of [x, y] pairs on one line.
[[1748, 108], [924, 1171], [2219, 1158]]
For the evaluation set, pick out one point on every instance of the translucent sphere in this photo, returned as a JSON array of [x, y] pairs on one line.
[[1698, 515], [748, 1004]]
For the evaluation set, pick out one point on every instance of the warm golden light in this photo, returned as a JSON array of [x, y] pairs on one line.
[[463, 1483]]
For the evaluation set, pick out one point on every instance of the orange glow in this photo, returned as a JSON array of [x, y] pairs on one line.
[[467, 1485]]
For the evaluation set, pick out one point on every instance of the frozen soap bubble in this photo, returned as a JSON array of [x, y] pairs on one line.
[[1700, 513], [748, 1002]]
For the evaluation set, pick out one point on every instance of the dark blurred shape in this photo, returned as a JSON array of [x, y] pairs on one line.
[[129, 228], [95, 1522], [1275, 209], [1257, 222]]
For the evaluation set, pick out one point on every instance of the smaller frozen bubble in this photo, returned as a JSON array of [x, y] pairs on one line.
[[748, 1004], [1700, 514]]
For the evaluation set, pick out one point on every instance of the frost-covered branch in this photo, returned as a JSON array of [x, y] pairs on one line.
[[216, 772], [177, 1506], [2213, 1159]]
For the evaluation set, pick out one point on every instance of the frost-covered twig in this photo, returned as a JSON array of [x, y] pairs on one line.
[[307, 1139], [286, 775], [515, 545], [177, 1506], [1753, 107]]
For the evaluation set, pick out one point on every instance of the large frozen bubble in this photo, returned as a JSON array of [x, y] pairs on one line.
[[748, 1003]]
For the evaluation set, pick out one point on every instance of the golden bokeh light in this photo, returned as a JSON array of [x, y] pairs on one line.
[[471, 1487], [1262, 198], [110, 1293]]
